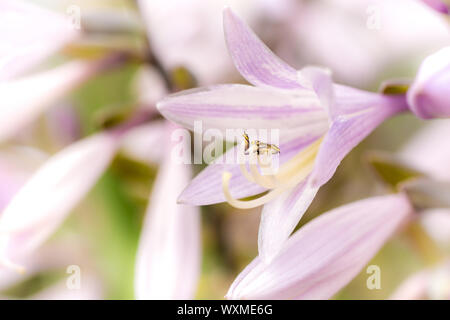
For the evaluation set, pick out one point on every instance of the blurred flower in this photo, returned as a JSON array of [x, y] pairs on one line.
[[319, 123], [429, 152], [24, 99], [187, 33], [28, 34], [17, 164], [360, 40], [326, 253], [437, 5], [431, 283], [437, 224], [428, 96], [168, 258], [45, 200]]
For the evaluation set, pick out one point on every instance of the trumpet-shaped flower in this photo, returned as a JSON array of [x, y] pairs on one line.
[[319, 123], [325, 254], [42, 204], [429, 96], [168, 259]]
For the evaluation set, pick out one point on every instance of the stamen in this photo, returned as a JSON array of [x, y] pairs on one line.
[[291, 174], [268, 182]]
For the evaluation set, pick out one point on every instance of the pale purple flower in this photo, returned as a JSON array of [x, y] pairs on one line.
[[429, 95], [438, 5], [168, 258], [28, 35], [45, 200], [325, 254], [319, 123]]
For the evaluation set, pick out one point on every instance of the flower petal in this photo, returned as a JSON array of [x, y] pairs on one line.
[[256, 63], [206, 187], [428, 96], [437, 5], [325, 254], [29, 34], [437, 223], [349, 129], [282, 214], [168, 259], [245, 107], [46, 199], [142, 142], [429, 150], [24, 99]]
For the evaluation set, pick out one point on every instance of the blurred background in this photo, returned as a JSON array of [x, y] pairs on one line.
[[179, 44]]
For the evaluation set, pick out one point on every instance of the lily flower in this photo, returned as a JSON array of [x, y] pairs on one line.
[[319, 123], [168, 258], [325, 254], [45, 200], [428, 96]]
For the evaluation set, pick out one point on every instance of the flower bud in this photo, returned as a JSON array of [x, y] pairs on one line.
[[429, 95]]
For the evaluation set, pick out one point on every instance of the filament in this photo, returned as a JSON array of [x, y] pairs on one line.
[[289, 175]]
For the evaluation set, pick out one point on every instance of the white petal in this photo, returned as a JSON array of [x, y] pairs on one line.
[[168, 258], [49, 195]]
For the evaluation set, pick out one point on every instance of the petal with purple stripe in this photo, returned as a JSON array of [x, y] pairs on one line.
[[325, 254], [240, 106], [256, 63], [206, 187], [348, 130]]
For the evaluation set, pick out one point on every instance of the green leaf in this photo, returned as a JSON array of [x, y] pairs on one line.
[[390, 170], [395, 86]]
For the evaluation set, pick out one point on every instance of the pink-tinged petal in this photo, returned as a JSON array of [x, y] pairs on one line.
[[325, 254], [168, 258], [432, 283], [17, 164], [438, 5], [429, 150], [320, 81], [143, 142], [29, 34], [437, 223], [414, 288], [24, 99], [206, 187], [256, 63], [50, 194], [349, 129], [428, 96], [245, 107], [282, 214]]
